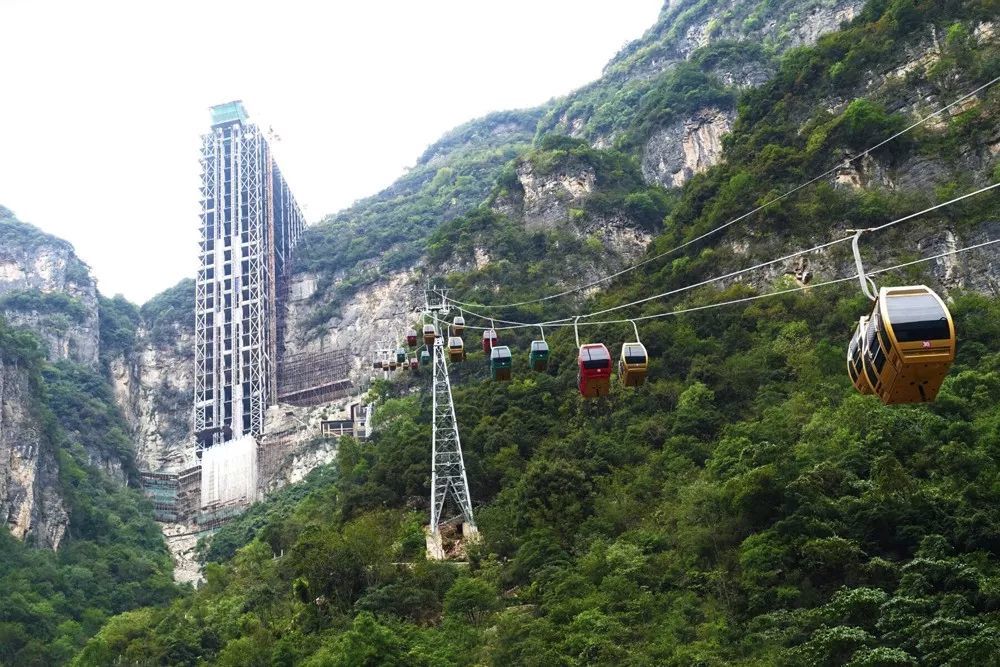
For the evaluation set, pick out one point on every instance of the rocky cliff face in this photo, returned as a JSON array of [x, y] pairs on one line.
[[687, 31], [381, 311], [46, 288], [30, 504], [154, 385], [687, 147]]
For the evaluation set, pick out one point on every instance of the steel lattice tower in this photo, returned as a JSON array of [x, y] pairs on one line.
[[448, 468], [249, 224]]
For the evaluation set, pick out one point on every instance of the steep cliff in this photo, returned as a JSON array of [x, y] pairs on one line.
[[45, 287], [76, 542], [152, 373], [31, 504], [668, 97]]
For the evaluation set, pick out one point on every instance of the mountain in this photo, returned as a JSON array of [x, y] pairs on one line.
[[77, 543], [745, 506]]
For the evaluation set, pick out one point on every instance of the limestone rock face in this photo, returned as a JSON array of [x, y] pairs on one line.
[[381, 311], [155, 388], [676, 153], [46, 288], [549, 197], [30, 504]]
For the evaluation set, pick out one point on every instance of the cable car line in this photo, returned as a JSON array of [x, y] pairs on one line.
[[759, 208], [562, 321], [756, 297]]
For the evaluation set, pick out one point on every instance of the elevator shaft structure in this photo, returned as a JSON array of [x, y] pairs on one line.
[[448, 480], [249, 224]]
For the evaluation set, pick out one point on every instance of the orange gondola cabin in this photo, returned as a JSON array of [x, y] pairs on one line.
[[430, 333], [456, 348]]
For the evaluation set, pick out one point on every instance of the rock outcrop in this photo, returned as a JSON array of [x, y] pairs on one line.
[[548, 198], [30, 503], [46, 288], [676, 153], [154, 386]]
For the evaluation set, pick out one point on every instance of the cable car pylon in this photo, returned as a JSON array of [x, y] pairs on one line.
[[448, 478]]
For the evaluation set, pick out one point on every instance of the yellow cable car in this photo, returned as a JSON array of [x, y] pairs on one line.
[[430, 333], [855, 360], [633, 364], [456, 348], [909, 344], [458, 325]]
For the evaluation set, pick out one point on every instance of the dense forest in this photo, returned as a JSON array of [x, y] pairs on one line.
[[112, 557], [744, 506]]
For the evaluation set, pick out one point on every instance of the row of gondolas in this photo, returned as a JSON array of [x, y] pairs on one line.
[[901, 351], [594, 359]]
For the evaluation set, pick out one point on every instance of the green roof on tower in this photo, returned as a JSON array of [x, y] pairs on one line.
[[230, 112]]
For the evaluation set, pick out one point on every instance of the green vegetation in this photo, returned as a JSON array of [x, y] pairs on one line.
[[170, 312], [119, 319], [112, 557], [272, 512], [44, 303], [386, 232], [14, 233], [745, 506]]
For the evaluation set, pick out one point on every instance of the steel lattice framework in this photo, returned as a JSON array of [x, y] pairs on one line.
[[448, 478], [249, 223]]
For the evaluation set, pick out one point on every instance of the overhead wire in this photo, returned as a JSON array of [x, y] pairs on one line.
[[739, 272], [753, 211], [755, 297]]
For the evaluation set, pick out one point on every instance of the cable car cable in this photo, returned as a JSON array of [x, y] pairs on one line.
[[759, 208], [756, 297], [733, 274]]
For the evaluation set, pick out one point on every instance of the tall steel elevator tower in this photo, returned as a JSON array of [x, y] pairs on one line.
[[249, 224]]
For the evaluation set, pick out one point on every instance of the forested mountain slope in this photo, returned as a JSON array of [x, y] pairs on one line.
[[76, 545], [745, 506]]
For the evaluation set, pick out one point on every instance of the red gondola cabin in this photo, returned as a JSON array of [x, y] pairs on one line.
[[411, 337], [490, 340], [594, 378]]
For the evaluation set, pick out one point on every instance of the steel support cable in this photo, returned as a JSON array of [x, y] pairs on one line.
[[733, 274], [757, 296], [759, 208]]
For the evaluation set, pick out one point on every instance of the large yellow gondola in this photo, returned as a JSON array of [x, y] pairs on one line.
[[909, 344]]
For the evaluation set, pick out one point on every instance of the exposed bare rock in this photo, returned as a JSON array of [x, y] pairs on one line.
[[676, 153], [181, 541], [154, 387], [35, 264], [548, 197], [378, 312], [30, 504], [290, 448]]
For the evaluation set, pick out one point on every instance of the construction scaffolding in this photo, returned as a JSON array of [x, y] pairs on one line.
[[313, 378], [161, 489], [249, 224]]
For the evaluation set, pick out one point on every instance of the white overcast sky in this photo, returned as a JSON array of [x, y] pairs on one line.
[[102, 103]]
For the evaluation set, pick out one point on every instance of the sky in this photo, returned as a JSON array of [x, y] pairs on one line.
[[102, 103]]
